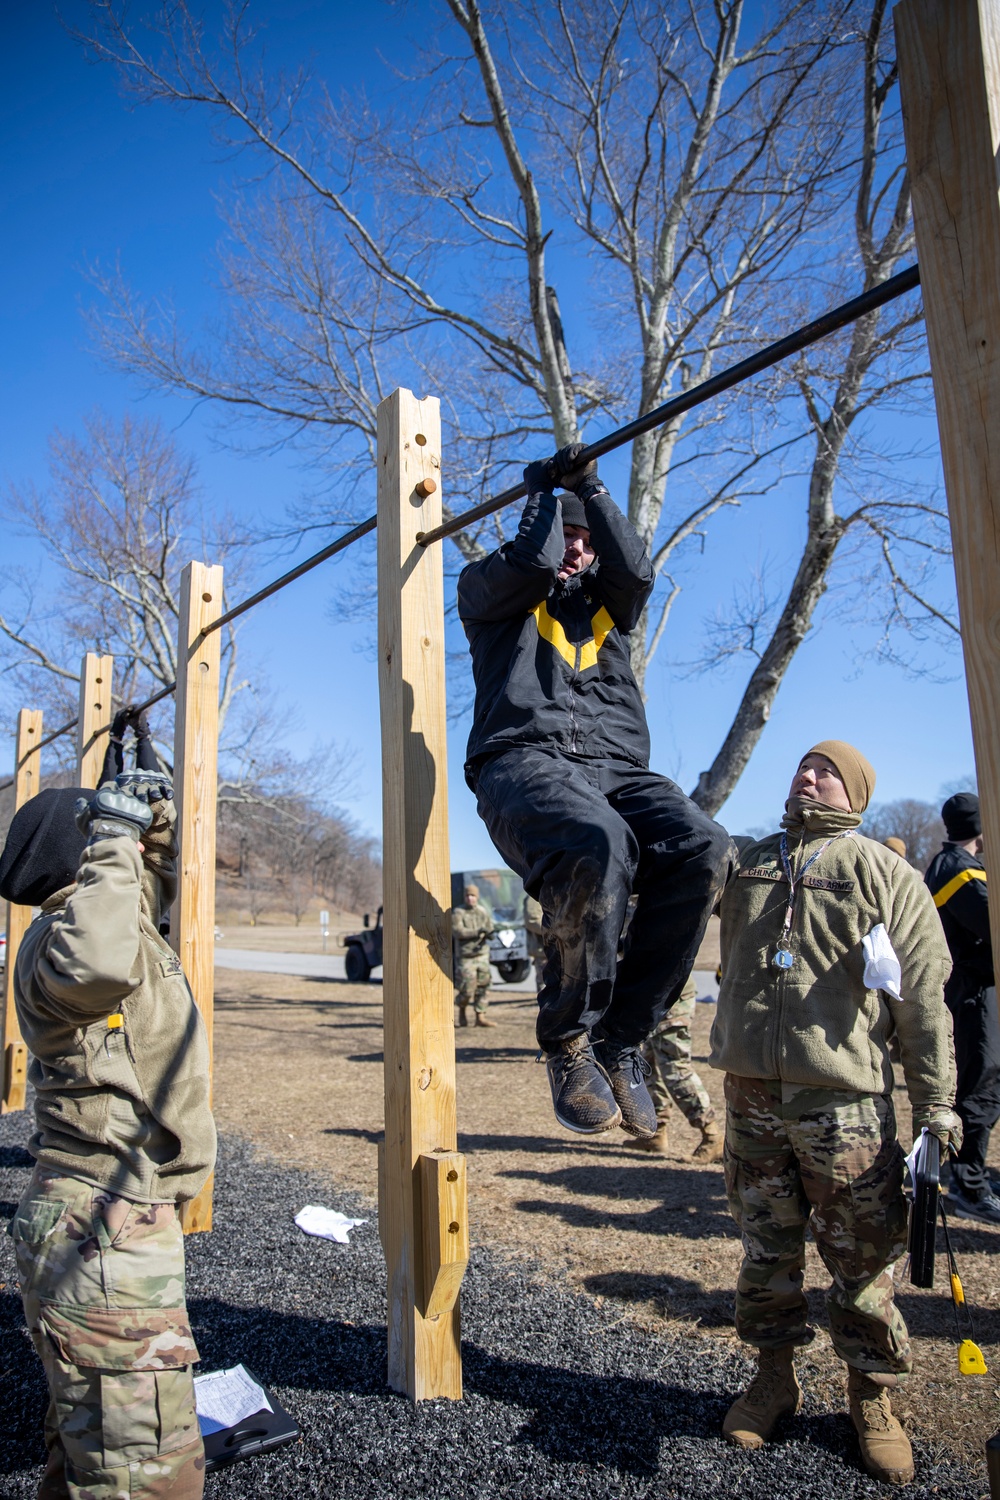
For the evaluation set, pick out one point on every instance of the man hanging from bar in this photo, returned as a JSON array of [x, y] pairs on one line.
[[559, 760]]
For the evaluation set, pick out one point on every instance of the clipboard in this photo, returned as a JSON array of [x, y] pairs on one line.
[[926, 1174], [255, 1434]]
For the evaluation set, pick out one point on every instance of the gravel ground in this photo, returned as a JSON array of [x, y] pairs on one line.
[[563, 1397]]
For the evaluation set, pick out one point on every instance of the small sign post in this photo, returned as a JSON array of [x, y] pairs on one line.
[[324, 923]]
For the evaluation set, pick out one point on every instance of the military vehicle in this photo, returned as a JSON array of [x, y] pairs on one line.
[[499, 890]]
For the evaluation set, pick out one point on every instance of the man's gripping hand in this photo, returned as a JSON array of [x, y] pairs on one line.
[[148, 786], [582, 479], [946, 1125], [112, 813], [541, 477]]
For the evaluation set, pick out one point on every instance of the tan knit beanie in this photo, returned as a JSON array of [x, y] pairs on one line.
[[896, 845], [855, 772]]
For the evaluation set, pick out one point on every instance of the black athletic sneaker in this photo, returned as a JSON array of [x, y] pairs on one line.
[[581, 1094], [985, 1208], [627, 1072]]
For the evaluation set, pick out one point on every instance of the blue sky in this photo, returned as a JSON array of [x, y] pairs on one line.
[[87, 179]]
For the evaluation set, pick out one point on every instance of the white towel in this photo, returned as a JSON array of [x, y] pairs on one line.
[[882, 970]]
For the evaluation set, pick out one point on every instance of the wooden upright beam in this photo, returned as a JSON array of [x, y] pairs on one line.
[[423, 1313], [27, 781], [949, 73], [196, 781], [93, 725]]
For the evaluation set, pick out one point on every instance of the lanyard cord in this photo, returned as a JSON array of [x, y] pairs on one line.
[[794, 881]]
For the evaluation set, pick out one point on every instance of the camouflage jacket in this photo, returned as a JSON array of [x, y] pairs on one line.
[[471, 928], [817, 1023], [119, 1051]]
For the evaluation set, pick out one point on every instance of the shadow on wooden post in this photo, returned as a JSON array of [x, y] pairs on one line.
[[27, 781], [196, 786], [416, 1207]]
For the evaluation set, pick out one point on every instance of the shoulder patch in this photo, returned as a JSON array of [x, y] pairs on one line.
[[169, 966]]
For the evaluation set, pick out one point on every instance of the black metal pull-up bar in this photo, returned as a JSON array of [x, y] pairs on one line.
[[764, 359]]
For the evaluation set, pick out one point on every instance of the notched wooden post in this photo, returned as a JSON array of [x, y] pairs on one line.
[[444, 1202], [949, 74], [92, 728], [27, 781], [418, 995], [196, 780]]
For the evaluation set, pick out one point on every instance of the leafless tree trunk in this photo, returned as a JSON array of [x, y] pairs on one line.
[[864, 378]]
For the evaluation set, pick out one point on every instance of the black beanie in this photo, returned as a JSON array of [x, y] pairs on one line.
[[573, 512], [961, 817], [43, 848]]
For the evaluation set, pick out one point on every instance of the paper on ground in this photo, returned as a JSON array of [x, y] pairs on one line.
[[223, 1398], [326, 1222], [882, 970]]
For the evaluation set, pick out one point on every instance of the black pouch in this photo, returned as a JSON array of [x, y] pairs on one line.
[[924, 1211]]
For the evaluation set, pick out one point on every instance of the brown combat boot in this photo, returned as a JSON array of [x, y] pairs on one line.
[[773, 1391], [482, 1021], [463, 1019], [885, 1448], [710, 1147], [658, 1144]]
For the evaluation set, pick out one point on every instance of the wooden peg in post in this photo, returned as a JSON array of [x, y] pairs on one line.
[[92, 729], [27, 781], [418, 996], [196, 783], [949, 76]]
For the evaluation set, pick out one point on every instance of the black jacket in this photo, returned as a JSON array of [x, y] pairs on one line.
[[550, 659], [957, 881]]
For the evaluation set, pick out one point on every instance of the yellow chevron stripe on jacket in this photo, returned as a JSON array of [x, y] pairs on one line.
[[578, 655], [955, 883]]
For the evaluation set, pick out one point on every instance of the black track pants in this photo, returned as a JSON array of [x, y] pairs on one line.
[[583, 835], [977, 1061]]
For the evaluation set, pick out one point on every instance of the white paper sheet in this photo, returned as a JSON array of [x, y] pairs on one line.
[[882, 969], [224, 1398], [326, 1222], [915, 1158]]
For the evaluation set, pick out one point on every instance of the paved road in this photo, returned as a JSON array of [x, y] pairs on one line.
[[331, 966]]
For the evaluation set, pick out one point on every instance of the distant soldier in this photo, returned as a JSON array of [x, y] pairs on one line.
[[829, 944], [956, 878], [471, 930], [674, 1081], [898, 846], [535, 933]]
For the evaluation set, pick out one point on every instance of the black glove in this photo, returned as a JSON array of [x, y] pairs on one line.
[[582, 479], [111, 813], [114, 756], [148, 785], [541, 476], [146, 757]]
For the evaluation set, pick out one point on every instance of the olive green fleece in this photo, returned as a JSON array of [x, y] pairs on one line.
[[817, 1024], [125, 1107]]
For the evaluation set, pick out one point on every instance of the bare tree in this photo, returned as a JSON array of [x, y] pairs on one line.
[[117, 522], [881, 355], [692, 160], [917, 823]]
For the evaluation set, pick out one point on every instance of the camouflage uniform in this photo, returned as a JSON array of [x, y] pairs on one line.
[[829, 1160], [102, 1280], [668, 1051], [472, 928]]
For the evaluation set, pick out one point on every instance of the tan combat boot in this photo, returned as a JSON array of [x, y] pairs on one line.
[[710, 1147], [482, 1021], [658, 1144], [885, 1448], [773, 1391]]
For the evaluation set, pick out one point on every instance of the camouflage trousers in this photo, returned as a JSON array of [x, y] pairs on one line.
[[668, 1051], [102, 1281], [806, 1158], [472, 980]]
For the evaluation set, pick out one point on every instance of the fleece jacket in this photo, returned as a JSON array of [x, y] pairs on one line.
[[120, 1062], [817, 1023]]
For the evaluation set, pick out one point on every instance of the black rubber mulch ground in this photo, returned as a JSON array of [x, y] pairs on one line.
[[562, 1398]]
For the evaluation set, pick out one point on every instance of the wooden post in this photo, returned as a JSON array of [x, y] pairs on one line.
[[27, 781], [92, 727], [949, 72], [418, 996], [196, 779]]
